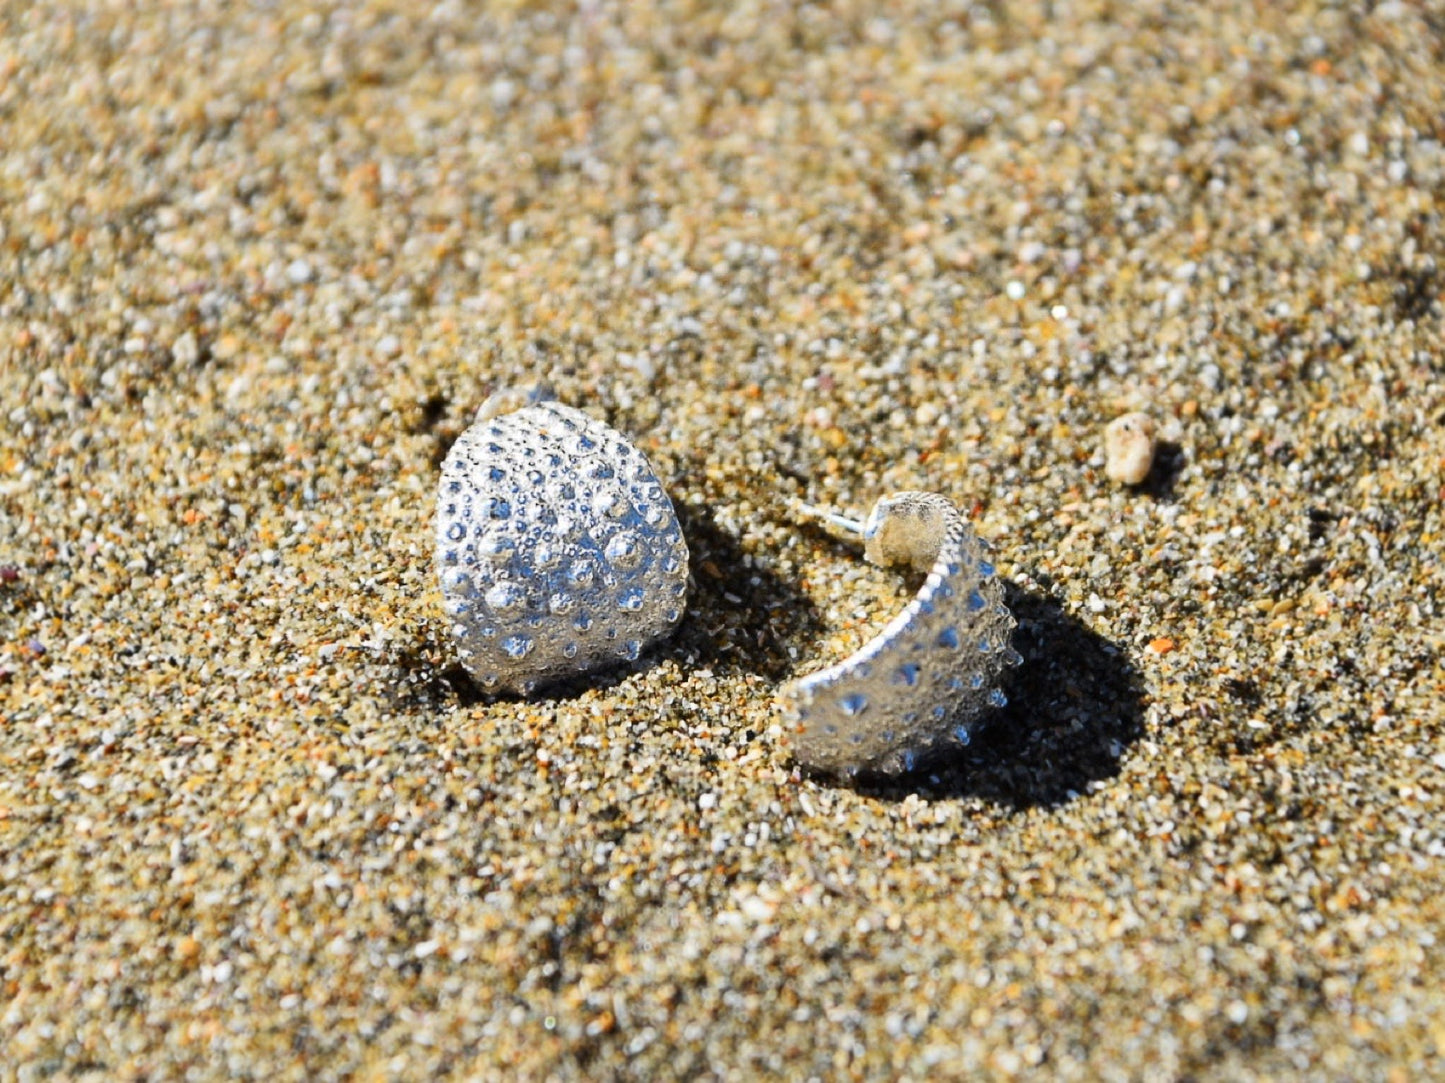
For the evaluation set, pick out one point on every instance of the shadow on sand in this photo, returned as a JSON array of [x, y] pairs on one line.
[[1075, 705], [739, 619]]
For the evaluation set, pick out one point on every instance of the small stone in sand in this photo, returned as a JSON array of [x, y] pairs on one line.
[[1129, 448]]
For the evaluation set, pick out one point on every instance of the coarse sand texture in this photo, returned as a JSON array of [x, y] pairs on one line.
[[261, 264]]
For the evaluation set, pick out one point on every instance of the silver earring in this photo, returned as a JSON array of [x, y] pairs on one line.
[[558, 550], [927, 677]]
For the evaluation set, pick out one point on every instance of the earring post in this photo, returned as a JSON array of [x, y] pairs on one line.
[[842, 522]]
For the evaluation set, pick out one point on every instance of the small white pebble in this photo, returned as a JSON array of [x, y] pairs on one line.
[[1129, 447], [299, 272], [504, 93], [756, 909], [185, 350]]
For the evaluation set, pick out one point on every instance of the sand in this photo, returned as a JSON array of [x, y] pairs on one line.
[[259, 265]]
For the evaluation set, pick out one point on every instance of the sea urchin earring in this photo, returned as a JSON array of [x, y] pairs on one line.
[[558, 550], [927, 677]]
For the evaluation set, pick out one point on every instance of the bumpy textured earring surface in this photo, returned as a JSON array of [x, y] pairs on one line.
[[928, 676], [558, 550]]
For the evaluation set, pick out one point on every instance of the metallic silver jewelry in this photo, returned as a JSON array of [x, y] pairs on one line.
[[928, 676], [558, 549]]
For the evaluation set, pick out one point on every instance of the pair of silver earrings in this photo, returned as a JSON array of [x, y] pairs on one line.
[[559, 552]]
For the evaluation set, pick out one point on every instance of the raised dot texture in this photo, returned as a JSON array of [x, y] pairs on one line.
[[496, 545], [624, 550], [505, 598], [456, 582], [563, 574], [911, 688]]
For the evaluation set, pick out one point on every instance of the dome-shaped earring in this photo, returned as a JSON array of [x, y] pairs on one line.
[[558, 550], [926, 679]]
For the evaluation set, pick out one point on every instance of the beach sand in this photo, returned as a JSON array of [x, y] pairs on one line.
[[259, 265]]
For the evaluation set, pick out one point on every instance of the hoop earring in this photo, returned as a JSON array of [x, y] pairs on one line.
[[927, 678]]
